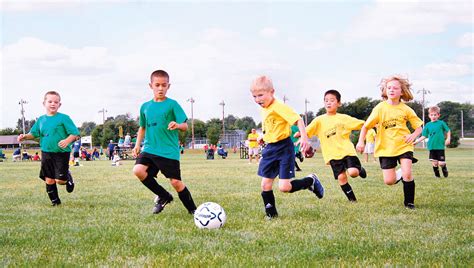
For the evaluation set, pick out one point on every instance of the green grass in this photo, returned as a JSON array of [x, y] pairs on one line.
[[107, 220]]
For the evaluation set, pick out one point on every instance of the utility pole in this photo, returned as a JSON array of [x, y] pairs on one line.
[[423, 92], [103, 111], [223, 127], [285, 99], [306, 111], [191, 100], [21, 102], [462, 124]]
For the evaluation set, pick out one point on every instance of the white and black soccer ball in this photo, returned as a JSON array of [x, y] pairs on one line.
[[209, 215]]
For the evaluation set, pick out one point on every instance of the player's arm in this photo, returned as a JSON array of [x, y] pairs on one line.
[[64, 143], [448, 138], [173, 125], [411, 138], [140, 135], [22, 137], [303, 141], [420, 139], [361, 143]]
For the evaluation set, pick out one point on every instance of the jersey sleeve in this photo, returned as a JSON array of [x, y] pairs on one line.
[[373, 118], [179, 113], [142, 121], [354, 123], [70, 127], [313, 128], [35, 129], [425, 132], [414, 120], [445, 127], [287, 113]]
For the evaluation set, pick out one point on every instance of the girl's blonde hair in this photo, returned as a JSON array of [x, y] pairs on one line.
[[405, 85]]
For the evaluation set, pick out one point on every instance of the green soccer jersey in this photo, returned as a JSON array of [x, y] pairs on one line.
[[294, 129], [155, 117], [51, 130], [435, 132]]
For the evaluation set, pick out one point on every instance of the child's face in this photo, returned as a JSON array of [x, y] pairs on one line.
[[263, 97], [331, 103], [160, 86], [394, 90], [434, 116], [52, 103]]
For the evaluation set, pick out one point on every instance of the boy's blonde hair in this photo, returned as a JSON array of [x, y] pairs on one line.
[[52, 92], [434, 109], [405, 85], [262, 83]]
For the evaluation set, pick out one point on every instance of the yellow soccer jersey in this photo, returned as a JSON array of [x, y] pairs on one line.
[[392, 128], [333, 132], [254, 143], [370, 137], [277, 120]]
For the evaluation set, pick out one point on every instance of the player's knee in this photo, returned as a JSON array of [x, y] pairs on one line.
[[353, 172], [177, 184], [390, 180], [139, 172], [285, 188]]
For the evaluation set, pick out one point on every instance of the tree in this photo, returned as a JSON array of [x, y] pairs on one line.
[[28, 125], [245, 123], [87, 128], [9, 131], [214, 130]]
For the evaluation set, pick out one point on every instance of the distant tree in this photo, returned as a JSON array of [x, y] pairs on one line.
[[230, 121], [214, 130], [87, 128], [245, 123], [28, 125], [9, 131]]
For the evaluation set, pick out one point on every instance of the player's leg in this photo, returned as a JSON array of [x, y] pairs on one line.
[[435, 164], [52, 191], [442, 163], [354, 167], [269, 198], [408, 183], [346, 187], [184, 195]]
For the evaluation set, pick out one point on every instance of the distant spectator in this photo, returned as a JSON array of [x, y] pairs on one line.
[[222, 152], [36, 157], [128, 141], [111, 149], [2, 155], [17, 155], [25, 156]]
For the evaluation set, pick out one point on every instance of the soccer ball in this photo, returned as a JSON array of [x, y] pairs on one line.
[[309, 152], [209, 215]]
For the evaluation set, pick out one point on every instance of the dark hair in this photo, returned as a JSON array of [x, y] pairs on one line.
[[335, 93], [160, 73]]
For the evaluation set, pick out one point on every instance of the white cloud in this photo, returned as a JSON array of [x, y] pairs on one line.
[[269, 32], [443, 90], [393, 19], [445, 70], [466, 40], [33, 5]]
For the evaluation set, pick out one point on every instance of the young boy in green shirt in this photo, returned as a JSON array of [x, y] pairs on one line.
[[160, 120], [56, 132], [436, 131]]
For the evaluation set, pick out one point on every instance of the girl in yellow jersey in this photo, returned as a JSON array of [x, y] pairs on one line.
[[394, 141], [278, 157]]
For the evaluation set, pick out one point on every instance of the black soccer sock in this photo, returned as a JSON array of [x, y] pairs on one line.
[[269, 203], [157, 189], [297, 168], [347, 189], [303, 183], [436, 171], [187, 200], [409, 192], [445, 170], [52, 191]]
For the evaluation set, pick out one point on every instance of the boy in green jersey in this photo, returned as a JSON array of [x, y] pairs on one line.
[[56, 132], [160, 120], [436, 131]]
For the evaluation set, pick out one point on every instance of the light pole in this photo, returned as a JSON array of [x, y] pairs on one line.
[[223, 127], [103, 111], [423, 92], [285, 99], [306, 111], [21, 102], [191, 100]]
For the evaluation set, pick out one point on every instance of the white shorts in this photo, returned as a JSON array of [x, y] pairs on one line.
[[369, 148], [253, 151]]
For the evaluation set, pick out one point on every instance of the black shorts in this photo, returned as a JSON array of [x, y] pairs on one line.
[[168, 167], [54, 165], [341, 165], [392, 161], [437, 155], [75, 154]]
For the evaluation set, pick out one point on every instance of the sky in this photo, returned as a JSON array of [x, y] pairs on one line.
[[100, 54]]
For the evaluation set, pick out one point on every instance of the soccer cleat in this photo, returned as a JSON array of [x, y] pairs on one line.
[[445, 171], [160, 205], [298, 169], [270, 217], [398, 175], [410, 206], [317, 188], [363, 173], [69, 183], [56, 202]]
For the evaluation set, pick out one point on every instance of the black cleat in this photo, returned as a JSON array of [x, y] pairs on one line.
[[160, 205], [317, 188], [362, 173], [56, 202], [69, 183], [270, 217], [410, 206]]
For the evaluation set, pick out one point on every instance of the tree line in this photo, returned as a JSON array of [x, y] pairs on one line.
[[212, 128]]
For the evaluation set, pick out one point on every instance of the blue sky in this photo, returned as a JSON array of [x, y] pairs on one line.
[[99, 54]]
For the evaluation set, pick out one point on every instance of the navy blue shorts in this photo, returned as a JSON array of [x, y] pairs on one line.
[[278, 159]]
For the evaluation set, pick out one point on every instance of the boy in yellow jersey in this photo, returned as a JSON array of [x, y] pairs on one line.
[[253, 145], [394, 141], [369, 145], [278, 157], [333, 130]]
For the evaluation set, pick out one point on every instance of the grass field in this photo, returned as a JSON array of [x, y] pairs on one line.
[[107, 220]]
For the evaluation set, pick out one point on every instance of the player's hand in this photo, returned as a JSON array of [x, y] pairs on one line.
[[172, 125], [63, 144], [20, 137], [360, 146], [304, 144], [297, 135], [136, 151], [410, 138], [447, 142]]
